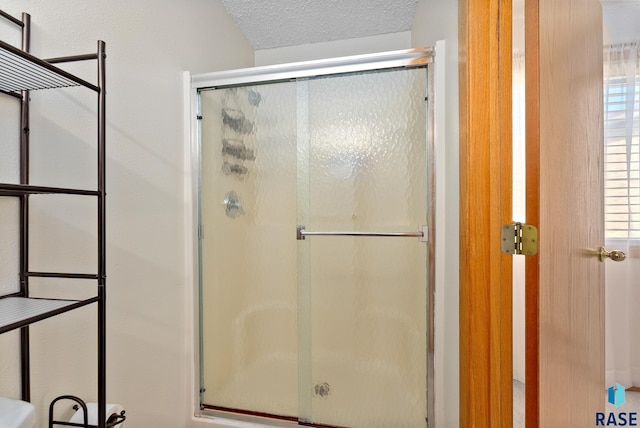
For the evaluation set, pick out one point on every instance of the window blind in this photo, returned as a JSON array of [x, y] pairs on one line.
[[622, 157]]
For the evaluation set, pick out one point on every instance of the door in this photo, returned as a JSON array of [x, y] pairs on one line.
[[565, 281], [362, 167], [331, 328]]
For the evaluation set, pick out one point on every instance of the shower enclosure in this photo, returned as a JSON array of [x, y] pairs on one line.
[[315, 239]]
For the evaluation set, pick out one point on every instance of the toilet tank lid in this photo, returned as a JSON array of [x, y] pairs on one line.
[[16, 413]]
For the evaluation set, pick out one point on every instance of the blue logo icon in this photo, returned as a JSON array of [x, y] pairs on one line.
[[615, 395]]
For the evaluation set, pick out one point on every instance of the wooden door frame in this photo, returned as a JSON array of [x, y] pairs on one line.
[[486, 365], [532, 153]]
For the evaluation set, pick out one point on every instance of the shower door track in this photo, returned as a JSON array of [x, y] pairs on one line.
[[288, 419], [409, 58], [400, 59]]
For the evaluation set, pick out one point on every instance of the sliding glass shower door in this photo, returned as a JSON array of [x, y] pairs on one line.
[[314, 264]]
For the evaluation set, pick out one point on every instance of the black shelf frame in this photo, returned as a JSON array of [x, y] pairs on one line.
[[7, 189], [20, 73]]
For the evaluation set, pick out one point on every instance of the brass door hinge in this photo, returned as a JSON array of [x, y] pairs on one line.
[[519, 238]]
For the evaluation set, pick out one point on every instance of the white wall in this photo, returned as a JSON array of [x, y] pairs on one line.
[[361, 45], [438, 20], [149, 44], [519, 188], [622, 350]]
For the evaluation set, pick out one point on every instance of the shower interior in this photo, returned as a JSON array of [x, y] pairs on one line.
[[322, 330]]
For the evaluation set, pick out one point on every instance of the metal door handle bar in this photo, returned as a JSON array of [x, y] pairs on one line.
[[301, 234]]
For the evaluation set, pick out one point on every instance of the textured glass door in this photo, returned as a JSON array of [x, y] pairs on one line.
[[249, 351], [362, 167], [326, 330]]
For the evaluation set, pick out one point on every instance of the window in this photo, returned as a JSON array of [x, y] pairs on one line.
[[622, 154]]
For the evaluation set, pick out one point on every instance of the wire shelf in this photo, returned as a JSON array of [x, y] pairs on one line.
[[21, 71], [17, 312]]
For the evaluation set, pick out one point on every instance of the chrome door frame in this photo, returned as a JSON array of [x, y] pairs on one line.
[[409, 58]]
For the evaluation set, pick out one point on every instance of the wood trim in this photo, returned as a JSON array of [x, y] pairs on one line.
[[532, 153], [485, 204]]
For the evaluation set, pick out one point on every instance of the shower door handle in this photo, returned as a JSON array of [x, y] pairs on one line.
[[302, 233]]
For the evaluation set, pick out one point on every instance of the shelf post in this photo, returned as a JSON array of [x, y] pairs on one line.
[[25, 359], [102, 277]]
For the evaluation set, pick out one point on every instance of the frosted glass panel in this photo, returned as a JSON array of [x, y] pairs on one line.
[[327, 330], [248, 265], [367, 172]]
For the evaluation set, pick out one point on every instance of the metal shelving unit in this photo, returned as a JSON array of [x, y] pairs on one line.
[[20, 73]]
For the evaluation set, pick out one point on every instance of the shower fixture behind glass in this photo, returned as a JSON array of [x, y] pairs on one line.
[[315, 188]]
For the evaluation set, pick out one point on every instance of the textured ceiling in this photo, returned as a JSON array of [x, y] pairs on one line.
[[275, 23]]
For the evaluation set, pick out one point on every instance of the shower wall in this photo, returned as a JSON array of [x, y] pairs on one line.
[[328, 329], [249, 255]]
